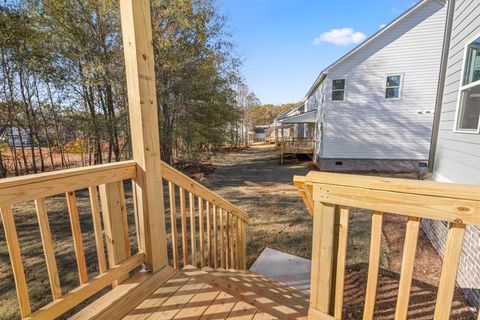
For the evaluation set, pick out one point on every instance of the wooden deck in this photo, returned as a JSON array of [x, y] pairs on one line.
[[199, 294]]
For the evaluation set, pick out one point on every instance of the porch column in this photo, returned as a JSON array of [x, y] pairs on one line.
[[148, 188]]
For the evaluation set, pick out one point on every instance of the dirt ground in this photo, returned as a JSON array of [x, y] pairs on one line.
[[254, 180]]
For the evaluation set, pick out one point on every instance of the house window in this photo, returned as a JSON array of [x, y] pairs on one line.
[[392, 88], [468, 111], [338, 90]]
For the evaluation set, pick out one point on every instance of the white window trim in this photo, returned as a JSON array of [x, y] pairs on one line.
[[400, 89], [344, 90], [462, 88]]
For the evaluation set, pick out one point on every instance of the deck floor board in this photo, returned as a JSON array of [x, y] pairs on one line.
[[194, 294]]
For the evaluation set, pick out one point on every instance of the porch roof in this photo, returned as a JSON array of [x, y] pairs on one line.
[[306, 117]]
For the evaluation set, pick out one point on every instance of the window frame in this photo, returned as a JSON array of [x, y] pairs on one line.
[[344, 90], [462, 88], [400, 87]]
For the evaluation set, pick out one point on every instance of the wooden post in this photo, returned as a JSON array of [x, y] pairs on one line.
[[322, 257], [140, 72]]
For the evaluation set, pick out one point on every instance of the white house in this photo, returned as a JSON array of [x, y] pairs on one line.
[[455, 151], [375, 105]]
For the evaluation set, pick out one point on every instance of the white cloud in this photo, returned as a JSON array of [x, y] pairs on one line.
[[341, 37], [383, 25]]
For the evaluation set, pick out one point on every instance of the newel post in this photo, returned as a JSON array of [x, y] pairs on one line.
[[323, 252], [140, 72]]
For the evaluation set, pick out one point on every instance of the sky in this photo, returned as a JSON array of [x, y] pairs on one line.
[[285, 44]]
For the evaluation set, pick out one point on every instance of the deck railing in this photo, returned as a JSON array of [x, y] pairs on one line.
[[296, 146], [221, 226], [330, 196]]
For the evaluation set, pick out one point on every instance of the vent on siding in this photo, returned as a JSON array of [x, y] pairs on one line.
[[339, 163]]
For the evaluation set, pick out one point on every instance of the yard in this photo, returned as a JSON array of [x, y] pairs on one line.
[[254, 180]]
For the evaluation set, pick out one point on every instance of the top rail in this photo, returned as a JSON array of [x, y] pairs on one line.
[[423, 199], [420, 187], [171, 174], [20, 189]]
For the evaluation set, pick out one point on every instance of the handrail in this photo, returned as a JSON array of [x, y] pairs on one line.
[[30, 187], [420, 187], [329, 197], [422, 199], [188, 184]]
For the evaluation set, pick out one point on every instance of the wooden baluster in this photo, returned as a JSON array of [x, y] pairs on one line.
[[173, 221], [14, 252], [77, 237], [341, 261], [244, 245], [209, 236], [232, 242], [448, 277], [238, 244], [123, 208], [227, 240], [322, 256], [114, 220], [202, 231], [222, 240], [48, 249], [406, 274], [215, 238], [183, 215], [193, 235], [97, 229], [373, 265]]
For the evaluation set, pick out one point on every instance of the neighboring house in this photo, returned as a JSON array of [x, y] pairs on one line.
[[289, 130], [260, 132], [375, 105], [456, 140], [14, 136]]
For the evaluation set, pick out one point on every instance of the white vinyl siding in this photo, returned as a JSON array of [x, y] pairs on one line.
[[457, 155], [368, 126]]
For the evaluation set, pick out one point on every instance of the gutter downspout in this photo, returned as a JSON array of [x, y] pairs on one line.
[[441, 84]]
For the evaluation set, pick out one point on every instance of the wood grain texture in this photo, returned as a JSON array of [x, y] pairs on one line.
[[48, 248], [183, 218], [193, 232], [341, 261], [322, 256], [173, 222], [143, 117], [77, 237], [373, 265], [42, 185], [448, 277], [14, 252], [97, 229], [408, 263]]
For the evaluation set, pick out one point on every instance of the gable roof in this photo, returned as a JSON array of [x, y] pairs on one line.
[[369, 40]]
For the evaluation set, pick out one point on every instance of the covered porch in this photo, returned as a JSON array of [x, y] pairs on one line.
[[302, 137]]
